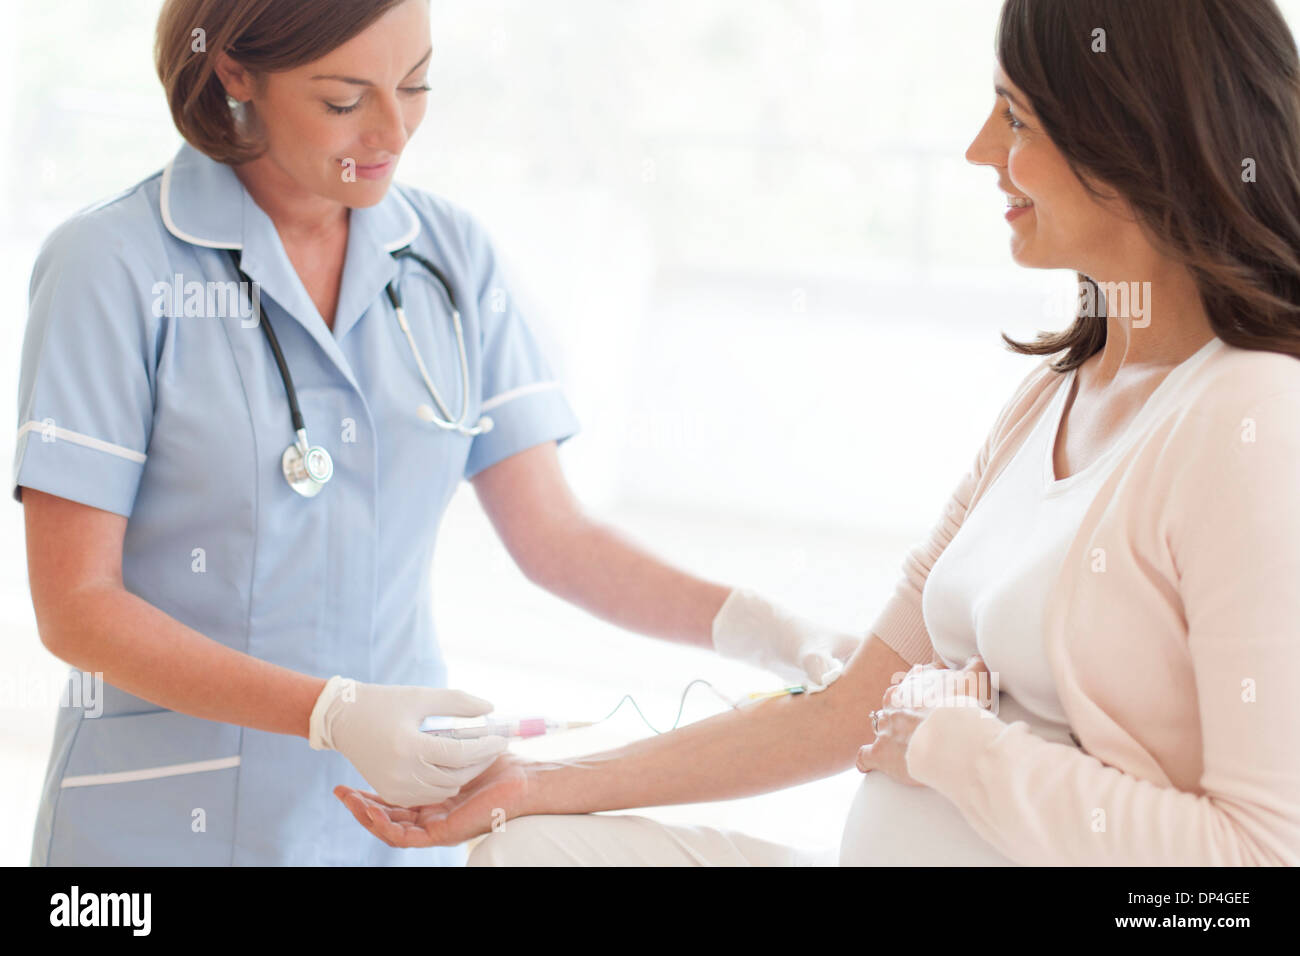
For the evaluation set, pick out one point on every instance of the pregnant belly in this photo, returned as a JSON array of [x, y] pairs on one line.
[[892, 824]]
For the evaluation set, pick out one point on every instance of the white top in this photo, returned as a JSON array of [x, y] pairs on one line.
[[987, 594]]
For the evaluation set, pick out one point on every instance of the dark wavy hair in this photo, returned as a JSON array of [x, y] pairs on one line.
[[264, 36], [1185, 93]]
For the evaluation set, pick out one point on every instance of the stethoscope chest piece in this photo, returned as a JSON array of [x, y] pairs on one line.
[[306, 474]]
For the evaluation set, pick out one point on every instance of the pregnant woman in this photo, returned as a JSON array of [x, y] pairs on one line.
[[1125, 550]]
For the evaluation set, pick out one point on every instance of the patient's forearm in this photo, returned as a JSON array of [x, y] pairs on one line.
[[778, 743]]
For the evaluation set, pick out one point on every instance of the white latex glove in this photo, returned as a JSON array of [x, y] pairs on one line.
[[377, 727], [750, 628]]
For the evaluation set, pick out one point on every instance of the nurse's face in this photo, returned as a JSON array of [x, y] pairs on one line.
[[1055, 222], [338, 125]]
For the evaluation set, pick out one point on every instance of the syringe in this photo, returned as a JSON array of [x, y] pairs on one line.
[[504, 727], [471, 728]]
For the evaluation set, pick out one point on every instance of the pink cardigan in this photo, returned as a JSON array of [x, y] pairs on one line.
[[1173, 635]]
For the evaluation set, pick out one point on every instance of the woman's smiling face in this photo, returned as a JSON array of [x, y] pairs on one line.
[[1055, 222], [337, 126]]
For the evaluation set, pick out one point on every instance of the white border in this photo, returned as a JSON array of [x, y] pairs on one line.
[[514, 393], [151, 773], [79, 439]]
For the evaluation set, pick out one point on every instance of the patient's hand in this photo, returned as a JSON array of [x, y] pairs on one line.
[[908, 703], [485, 802], [927, 686]]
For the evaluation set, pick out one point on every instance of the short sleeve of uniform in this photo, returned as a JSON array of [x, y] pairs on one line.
[[520, 393], [85, 388]]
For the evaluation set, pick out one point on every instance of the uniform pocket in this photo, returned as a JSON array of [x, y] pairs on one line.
[[151, 789]]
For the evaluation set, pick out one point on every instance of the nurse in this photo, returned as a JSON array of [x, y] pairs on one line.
[[253, 583]]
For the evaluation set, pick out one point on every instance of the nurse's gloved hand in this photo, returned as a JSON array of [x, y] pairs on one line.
[[377, 727], [750, 628]]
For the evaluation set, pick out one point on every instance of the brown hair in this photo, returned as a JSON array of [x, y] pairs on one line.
[[1186, 92], [264, 36]]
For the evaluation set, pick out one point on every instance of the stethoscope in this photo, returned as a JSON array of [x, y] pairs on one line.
[[308, 467]]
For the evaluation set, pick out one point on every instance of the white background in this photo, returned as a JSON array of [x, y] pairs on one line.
[[748, 234]]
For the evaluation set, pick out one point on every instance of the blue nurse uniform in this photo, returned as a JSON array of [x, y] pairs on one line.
[[135, 400]]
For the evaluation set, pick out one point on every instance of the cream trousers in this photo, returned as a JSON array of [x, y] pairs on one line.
[[595, 839]]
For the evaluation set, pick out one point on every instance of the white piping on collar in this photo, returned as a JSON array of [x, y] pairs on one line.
[[165, 206], [414, 229]]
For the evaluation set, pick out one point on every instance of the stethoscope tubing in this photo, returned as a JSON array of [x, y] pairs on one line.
[[299, 470], [394, 296], [291, 393]]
